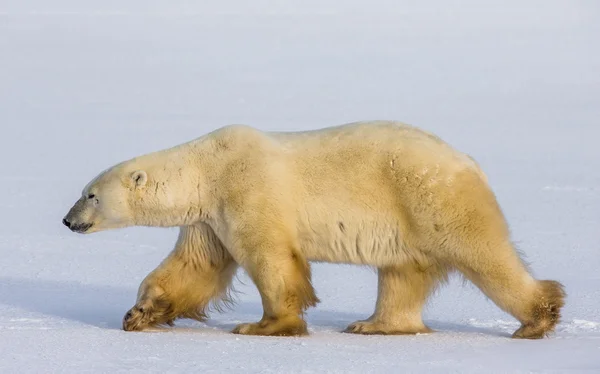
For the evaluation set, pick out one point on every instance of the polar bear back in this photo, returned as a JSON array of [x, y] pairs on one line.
[[352, 145]]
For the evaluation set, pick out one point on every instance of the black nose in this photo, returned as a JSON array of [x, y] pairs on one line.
[[66, 223]]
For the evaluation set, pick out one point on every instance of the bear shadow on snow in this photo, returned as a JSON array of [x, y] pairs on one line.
[[103, 306], [96, 305]]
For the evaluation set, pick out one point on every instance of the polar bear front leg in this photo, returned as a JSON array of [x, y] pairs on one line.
[[197, 272], [282, 276], [402, 292]]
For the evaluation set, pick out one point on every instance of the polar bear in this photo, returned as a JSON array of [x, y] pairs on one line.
[[378, 193]]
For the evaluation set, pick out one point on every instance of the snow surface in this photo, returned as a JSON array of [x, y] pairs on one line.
[[84, 85]]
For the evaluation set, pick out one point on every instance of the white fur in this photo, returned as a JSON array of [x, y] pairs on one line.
[[377, 193]]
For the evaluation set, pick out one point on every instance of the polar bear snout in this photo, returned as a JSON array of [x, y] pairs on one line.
[[76, 219], [79, 227]]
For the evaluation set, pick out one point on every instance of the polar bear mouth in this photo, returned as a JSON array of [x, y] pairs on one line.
[[76, 227], [81, 227]]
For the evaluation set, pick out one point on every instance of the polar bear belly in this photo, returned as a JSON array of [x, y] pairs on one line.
[[375, 243]]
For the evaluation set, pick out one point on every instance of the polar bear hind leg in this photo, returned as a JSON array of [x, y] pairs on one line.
[[474, 239], [402, 292], [505, 280]]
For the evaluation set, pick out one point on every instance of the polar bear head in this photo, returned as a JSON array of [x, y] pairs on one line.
[[140, 192]]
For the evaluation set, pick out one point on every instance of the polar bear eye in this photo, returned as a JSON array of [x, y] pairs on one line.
[[93, 197]]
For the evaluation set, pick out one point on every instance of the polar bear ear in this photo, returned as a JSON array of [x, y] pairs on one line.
[[139, 178]]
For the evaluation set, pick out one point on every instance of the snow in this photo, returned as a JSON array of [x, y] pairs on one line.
[[84, 85]]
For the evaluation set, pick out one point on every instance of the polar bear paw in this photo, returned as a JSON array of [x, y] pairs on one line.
[[283, 326], [378, 328]]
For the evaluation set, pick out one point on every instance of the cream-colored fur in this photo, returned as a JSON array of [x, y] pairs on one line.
[[379, 193]]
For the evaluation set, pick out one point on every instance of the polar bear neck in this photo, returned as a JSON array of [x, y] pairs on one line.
[[172, 194]]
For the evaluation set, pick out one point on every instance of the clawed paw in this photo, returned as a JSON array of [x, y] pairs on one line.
[[148, 314], [364, 327], [531, 332], [245, 329], [285, 326], [378, 328]]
